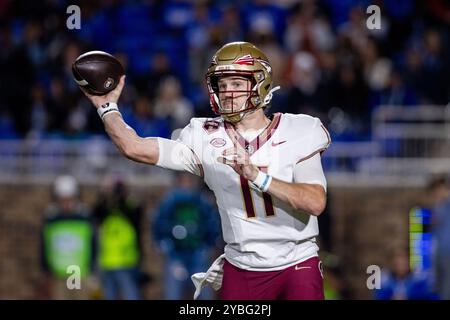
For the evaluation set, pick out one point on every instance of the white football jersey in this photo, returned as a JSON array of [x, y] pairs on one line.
[[262, 233]]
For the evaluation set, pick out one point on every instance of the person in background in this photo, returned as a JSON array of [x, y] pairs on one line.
[[67, 243], [399, 282], [186, 228], [441, 237], [118, 218]]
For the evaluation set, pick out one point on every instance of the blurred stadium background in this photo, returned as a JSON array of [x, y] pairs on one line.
[[383, 94]]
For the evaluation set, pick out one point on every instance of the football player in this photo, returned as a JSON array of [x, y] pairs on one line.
[[265, 172]]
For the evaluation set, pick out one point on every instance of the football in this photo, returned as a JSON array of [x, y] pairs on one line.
[[97, 72]]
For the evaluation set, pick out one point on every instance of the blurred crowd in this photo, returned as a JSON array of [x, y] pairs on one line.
[[105, 241], [327, 61], [421, 270]]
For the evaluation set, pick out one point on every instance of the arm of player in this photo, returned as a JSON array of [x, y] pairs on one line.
[[124, 137], [145, 150], [306, 194], [165, 153], [308, 191]]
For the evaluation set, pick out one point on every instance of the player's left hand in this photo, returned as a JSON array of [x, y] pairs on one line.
[[239, 159]]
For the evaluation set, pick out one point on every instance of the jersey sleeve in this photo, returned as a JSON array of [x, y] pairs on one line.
[[179, 154], [310, 171], [318, 140]]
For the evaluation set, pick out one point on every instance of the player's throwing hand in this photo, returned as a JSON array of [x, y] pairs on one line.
[[112, 96]]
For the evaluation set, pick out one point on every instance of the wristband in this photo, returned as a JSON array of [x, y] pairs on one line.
[[262, 181], [107, 108]]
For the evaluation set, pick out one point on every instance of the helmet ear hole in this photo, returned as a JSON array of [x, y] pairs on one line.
[[214, 83]]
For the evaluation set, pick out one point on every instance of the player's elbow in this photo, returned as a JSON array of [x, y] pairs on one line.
[[318, 206], [309, 198], [318, 200], [130, 152], [314, 205]]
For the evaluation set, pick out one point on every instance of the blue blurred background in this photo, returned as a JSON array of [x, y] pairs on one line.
[[383, 94]]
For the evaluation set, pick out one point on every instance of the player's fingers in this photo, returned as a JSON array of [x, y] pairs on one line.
[[239, 158], [229, 151], [242, 157], [121, 82], [232, 163], [231, 160], [224, 161], [120, 85], [227, 159], [236, 150]]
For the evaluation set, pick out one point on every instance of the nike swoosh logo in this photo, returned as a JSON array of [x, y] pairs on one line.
[[274, 144], [299, 268]]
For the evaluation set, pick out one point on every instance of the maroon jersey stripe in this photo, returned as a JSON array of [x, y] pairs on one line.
[[259, 141], [268, 204], [247, 198]]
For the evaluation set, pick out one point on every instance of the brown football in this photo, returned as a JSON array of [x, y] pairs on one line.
[[97, 72]]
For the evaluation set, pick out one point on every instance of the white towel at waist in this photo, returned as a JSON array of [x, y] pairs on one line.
[[212, 276]]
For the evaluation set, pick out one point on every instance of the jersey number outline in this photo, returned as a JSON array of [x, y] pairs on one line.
[[248, 198]]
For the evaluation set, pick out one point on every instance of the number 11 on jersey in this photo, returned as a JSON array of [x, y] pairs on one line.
[[248, 199]]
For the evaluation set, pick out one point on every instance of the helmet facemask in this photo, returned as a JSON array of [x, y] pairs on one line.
[[223, 101]]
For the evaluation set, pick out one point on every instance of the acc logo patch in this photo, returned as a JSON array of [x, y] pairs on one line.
[[218, 142]]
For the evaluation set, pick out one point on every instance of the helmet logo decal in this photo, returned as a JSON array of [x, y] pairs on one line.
[[266, 65], [246, 60]]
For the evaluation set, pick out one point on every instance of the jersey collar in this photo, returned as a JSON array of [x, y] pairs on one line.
[[252, 146]]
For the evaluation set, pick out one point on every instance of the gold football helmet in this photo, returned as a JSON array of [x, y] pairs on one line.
[[241, 59]]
